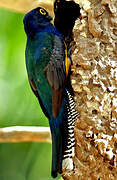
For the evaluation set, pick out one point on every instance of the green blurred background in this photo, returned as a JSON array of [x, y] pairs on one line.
[[18, 106]]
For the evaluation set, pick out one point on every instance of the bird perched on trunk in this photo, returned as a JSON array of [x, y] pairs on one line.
[[48, 67]]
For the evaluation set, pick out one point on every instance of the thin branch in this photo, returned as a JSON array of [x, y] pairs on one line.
[[25, 134]]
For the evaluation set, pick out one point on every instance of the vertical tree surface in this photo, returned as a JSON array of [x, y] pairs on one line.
[[94, 80]]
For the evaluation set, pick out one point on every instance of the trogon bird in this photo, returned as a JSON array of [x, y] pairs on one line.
[[48, 66]]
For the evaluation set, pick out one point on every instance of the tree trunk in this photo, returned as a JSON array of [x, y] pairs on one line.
[[94, 80]]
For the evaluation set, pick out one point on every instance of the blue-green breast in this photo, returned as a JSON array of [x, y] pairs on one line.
[[38, 53]]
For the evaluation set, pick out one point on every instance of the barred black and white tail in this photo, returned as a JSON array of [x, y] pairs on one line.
[[72, 114]]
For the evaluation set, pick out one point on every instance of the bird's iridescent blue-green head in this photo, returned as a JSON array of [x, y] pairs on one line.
[[36, 20]]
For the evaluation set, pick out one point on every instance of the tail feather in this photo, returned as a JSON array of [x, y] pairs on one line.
[[71, 116], [63, 140], [56, 152]]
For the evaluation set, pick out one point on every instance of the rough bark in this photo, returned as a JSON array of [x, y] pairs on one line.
[[94, 81]]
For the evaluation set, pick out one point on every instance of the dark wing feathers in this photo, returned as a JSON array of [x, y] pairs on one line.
[[57, 97], [56, 74], [56, 77], [55, 70]]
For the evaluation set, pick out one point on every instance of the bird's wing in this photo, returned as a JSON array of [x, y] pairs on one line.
[[54, 53], [56, 73]]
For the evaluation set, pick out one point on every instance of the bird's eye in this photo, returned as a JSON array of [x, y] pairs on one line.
[[42, 11]]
